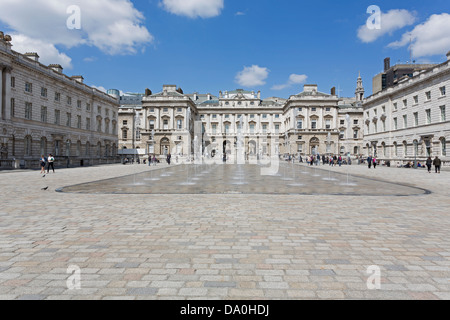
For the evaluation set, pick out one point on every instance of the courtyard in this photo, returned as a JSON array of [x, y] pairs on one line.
[[225, 232]]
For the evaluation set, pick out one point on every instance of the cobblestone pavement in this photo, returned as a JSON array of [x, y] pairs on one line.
[[229, 246]]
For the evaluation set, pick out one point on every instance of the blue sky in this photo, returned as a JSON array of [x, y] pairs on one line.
[[203, 45]]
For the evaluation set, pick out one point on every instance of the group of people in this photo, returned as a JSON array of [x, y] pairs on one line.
[[330, 160], [436, 163], [48, 162]]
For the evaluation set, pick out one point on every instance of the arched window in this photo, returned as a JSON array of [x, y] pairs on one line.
[[405, 149], [395, 149], [443, 147], [28, 146], [78, 148], [68, 146]]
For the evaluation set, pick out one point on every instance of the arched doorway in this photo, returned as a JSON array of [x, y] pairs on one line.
[[165, 146], [314, 145]]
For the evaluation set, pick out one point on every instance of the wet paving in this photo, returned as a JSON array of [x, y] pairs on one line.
[[245, 179]]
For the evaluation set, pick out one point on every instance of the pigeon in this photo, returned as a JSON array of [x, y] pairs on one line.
[[43, 176], [46, 188]]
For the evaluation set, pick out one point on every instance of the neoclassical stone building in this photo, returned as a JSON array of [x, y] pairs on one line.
[[307, 123], [410, 121], [44, 111]]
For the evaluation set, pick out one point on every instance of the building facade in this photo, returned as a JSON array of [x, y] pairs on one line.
[[410, 121], [310, 122], [44, 111]]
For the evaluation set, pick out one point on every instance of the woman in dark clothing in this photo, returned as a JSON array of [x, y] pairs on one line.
[[429, 164]]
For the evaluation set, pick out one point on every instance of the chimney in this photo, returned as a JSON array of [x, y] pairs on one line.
[[259, 95], [448, 56], [387, 64], [79, 79], [333, 91], [56, 67], [32, 55], [148, 92], [209, 96]]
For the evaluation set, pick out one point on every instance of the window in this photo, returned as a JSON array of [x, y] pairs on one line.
[[179, 110], [57, 96], [341, 134], [428, 95], [416, 99], [28, 87], [395, 106], [405, 103], [107, 113], [13, 82], [152, 124], [44, 92], [214, 116], [300, 137], [327, 109], [300, 148], [277, 128], [264, 127], [416, 119], [405, 121], [28, 110], [428, 115], [328, 124], [355, 122], [13, 107], [124, 134], [313, 109], [69, 120], [395, 149], [179, 124], [313, 124], [166, 110], [69, 101], [166, 125], [88, 123], [252, 128], [106, 126], [99, 110], [395, 124], [99, 125], [444, 147], [300, 109], [227, 116], [277, 116], [28, 145], [264, 116], [79, 104], [383, 109], [88, 107], [252, 116], [442, 90], [152, 110], [43, 114], [355, 134], [214, 128], [342, 122], [443, 117], [383, 123], [227, 128], [78, 122], [299, 124], [57, 117]]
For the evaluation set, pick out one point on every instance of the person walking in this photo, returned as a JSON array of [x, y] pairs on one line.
[[50, 160], [154, 160], [437, 164], [429, 163], [42, 162], [374, 162], [369, 161], [169, 156]]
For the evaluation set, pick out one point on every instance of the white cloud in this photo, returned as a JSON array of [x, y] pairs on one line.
[[194, 8], [429, 38], [252, 76], [113, 26], [100, 88], [48, 53], [239, 13], [293, 80], [391, 21]]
